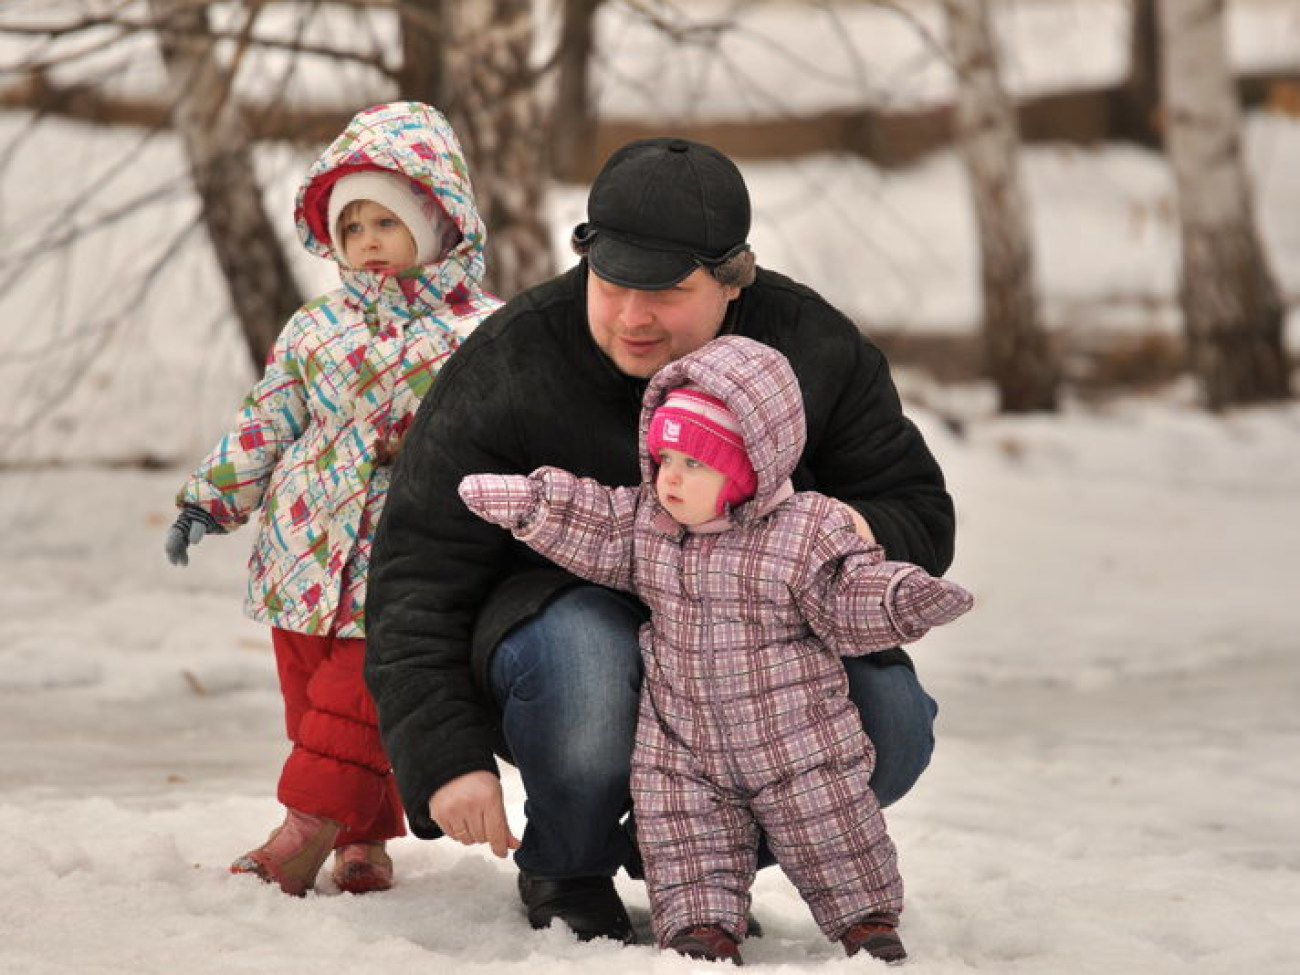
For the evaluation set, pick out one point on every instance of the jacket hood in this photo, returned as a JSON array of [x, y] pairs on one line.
[[412, 139], [759, 387]]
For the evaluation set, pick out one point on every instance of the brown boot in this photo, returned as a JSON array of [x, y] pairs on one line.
[[362, 868], [878, 938], [293, 854], [708, 942]]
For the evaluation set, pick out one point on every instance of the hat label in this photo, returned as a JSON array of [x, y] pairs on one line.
[[672, 430]]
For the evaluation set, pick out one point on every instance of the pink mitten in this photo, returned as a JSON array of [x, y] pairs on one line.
[[508, 500], [919, 601]]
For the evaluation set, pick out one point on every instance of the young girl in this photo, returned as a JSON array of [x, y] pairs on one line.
[[311, 451], [755, 592]]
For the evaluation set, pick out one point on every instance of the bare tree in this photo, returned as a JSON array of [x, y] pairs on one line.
[[1018, 356], [420, 76], [572, 140], [492, 104], [470, 58], [261, 285], [1138, 96], [1232, 313]]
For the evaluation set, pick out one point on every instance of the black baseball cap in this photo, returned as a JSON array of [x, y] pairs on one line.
[[660, 208]]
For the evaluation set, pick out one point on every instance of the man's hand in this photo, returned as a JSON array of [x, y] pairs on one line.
[[470, 809], [860, 524]]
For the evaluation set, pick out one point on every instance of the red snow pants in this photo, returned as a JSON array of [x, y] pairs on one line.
[[337, 768]]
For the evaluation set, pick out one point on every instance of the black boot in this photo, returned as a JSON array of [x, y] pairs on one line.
[[590, 906]]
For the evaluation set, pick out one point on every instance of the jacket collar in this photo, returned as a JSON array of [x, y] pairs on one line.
[[419, 291]]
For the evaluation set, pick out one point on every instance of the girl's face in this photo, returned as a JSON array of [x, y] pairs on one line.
[[374, 239], [687, 488]]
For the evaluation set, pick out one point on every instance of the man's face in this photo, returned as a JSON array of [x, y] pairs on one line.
[[645, 330]]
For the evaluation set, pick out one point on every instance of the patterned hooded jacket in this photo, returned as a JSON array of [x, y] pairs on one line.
[[311, 446]]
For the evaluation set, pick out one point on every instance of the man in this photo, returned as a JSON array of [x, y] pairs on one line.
[[478, 648]]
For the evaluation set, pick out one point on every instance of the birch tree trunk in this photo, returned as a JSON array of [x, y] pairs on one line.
[[1232, 314], [494, 108], [261, 285], [573, 121], [1137, 100], [1017, 353], [420, 77]]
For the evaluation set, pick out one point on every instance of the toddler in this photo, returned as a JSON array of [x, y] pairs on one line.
[[755, 591], [311, 453]]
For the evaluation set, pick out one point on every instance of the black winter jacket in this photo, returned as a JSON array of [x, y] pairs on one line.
[[529, 388]]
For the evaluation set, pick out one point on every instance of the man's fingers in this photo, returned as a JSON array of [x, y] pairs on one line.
[[495, 831], [860, 525], [501, 839], [469, 810], [497, 835]]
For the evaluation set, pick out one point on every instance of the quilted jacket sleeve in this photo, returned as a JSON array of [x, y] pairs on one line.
[[859, 602], [576, 523], [231, 481]]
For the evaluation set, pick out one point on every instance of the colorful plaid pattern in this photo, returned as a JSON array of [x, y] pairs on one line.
[[745, 717], [341, 386]]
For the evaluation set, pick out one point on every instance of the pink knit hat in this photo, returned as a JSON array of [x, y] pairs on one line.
[[701, 426]]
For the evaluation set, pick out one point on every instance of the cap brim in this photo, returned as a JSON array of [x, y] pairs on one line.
[[642, 268]]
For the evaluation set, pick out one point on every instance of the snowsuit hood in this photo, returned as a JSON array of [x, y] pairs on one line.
[[756, 383], [413, 140]]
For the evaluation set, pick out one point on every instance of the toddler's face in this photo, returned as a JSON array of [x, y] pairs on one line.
[[687, 488], [374, 239]]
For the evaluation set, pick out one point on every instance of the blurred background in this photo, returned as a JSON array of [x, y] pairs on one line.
[[1040, 202], [1073, 224]]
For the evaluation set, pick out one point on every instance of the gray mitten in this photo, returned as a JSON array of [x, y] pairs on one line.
[[920, 601], [508, 500], [188, 529]]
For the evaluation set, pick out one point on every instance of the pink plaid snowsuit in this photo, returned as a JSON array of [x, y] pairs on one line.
[[745, 721]]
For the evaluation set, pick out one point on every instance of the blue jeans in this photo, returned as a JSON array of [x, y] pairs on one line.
[[567, 682]]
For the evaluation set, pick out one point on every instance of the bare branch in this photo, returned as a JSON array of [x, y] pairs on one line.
[[88, 103], [175, 23], [681, 30], [79, 361]]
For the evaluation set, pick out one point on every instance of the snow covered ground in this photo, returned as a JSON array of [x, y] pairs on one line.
[[1116, 785], [1115, 788]]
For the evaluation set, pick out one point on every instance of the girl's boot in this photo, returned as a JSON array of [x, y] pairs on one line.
[[293, 854], [362, 868], [878, 937]]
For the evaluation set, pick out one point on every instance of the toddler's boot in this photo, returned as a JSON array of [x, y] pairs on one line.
[[708, 942], [293, 854], [362, 868], [877, 937]]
